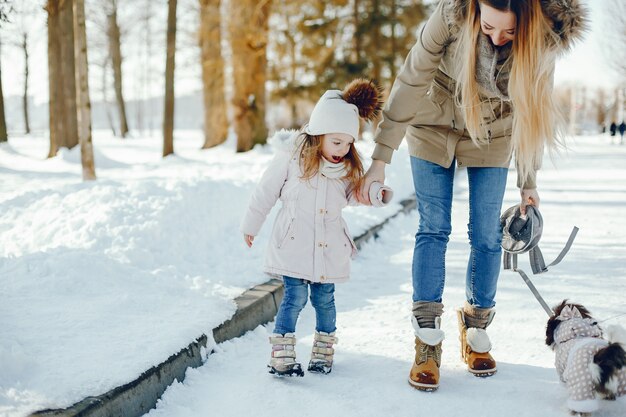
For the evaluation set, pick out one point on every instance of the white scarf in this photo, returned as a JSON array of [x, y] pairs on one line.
[[332, 170]]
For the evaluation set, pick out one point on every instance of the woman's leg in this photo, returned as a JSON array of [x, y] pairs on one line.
[[323, 300], [486, 191], [294, 300], [433, 189]]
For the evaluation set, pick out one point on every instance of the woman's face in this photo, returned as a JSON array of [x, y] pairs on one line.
[[335, 146], [498, 25]]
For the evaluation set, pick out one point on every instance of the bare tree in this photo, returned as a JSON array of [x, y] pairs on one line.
[[3, 124], [5, 9], [24, 47], [61, 75], [614, 36], [56, 108], [168, 113], [215, 122], [248, 34], [115, 51], [83, 103]]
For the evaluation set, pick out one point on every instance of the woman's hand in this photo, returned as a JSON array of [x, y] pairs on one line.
[[248, 239], [529, 197], [376, 172]]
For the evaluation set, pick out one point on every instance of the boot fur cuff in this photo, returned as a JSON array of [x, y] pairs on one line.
[[431, 337], [478, 340]]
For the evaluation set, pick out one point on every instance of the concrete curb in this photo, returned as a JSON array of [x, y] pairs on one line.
[[255, 307]]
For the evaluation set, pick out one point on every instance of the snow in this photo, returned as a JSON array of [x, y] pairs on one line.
[[100, 281]]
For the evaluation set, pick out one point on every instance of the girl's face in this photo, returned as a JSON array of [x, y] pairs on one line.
[[335, 146], [498, 25]]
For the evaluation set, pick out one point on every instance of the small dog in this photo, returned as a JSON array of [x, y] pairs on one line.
[[589, 365]]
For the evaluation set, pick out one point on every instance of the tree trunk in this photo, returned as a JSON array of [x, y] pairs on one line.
[[83, 103], [376, 41], [69, 137], [3, 124], [25, 101], [248, 34], [394, 48], [115, 50], [55, 107], [168, 114], [357, 35], [105, 96], [215, 121]]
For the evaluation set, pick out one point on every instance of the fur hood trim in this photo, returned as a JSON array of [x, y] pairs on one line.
[[284, 140], [570, 18]]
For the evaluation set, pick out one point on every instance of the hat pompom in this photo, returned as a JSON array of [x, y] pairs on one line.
[[365, 95]]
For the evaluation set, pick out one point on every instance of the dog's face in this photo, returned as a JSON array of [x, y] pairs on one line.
[[570, 321]]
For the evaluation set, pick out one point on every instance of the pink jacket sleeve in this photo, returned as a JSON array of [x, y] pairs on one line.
[[266, 194]]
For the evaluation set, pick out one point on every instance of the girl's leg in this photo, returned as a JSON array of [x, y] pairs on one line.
[[323, 300], [294, 300], [433, 189], [486, 191]]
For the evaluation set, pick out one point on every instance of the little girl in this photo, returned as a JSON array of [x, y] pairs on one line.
[[315, 177]]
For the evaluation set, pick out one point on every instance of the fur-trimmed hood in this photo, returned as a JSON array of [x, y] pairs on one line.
[[570, 18]]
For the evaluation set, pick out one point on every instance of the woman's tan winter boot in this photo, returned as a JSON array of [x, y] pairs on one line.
[[322, 354], [283, 360], [425, 370], [475, 344]]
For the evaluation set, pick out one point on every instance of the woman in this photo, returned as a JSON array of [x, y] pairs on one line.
[[474, 91]]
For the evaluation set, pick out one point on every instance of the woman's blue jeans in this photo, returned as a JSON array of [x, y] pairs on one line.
[[433, 188], [294, 300]]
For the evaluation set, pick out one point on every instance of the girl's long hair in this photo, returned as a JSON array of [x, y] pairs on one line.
[[310, 154], [537, 122]]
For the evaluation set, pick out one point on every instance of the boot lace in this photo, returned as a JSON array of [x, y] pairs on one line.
[[426, 351]]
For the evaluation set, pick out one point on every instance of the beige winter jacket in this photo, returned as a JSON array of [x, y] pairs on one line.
[[421, 106], [310, 240]]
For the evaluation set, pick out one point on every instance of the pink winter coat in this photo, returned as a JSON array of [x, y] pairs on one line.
[[310, 240]]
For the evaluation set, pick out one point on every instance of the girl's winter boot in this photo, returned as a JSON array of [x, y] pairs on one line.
[[283, 360], [322, 354], [425, 370], [475, 344]]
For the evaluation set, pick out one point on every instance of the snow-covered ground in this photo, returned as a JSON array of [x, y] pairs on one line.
[[375, 347], [100, 281]]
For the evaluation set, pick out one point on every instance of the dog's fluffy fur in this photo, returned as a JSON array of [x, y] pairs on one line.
[[580, 344]]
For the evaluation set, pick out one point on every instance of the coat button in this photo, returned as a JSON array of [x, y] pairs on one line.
[[320, 244], [322, 211], [291, 237], [322, 278]]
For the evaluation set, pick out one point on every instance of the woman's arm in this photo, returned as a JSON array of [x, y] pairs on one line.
[[412, 84], [409, 87]]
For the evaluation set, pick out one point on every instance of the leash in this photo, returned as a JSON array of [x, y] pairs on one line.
[[538, 265], [613, 317]]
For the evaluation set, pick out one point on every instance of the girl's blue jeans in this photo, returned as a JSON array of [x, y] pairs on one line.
[[433, 188], [294, 300]]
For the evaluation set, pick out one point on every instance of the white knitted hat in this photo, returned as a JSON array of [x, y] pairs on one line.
[[332, 114], [338, 111]]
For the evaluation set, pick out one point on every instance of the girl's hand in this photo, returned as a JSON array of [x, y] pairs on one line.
[[248, 239], [529, 197], [376, 172]]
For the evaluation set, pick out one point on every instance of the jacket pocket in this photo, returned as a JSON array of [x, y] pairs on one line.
[[283, 237], [353, 248]]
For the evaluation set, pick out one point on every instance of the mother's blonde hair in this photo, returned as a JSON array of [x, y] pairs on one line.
[[536, 119]]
